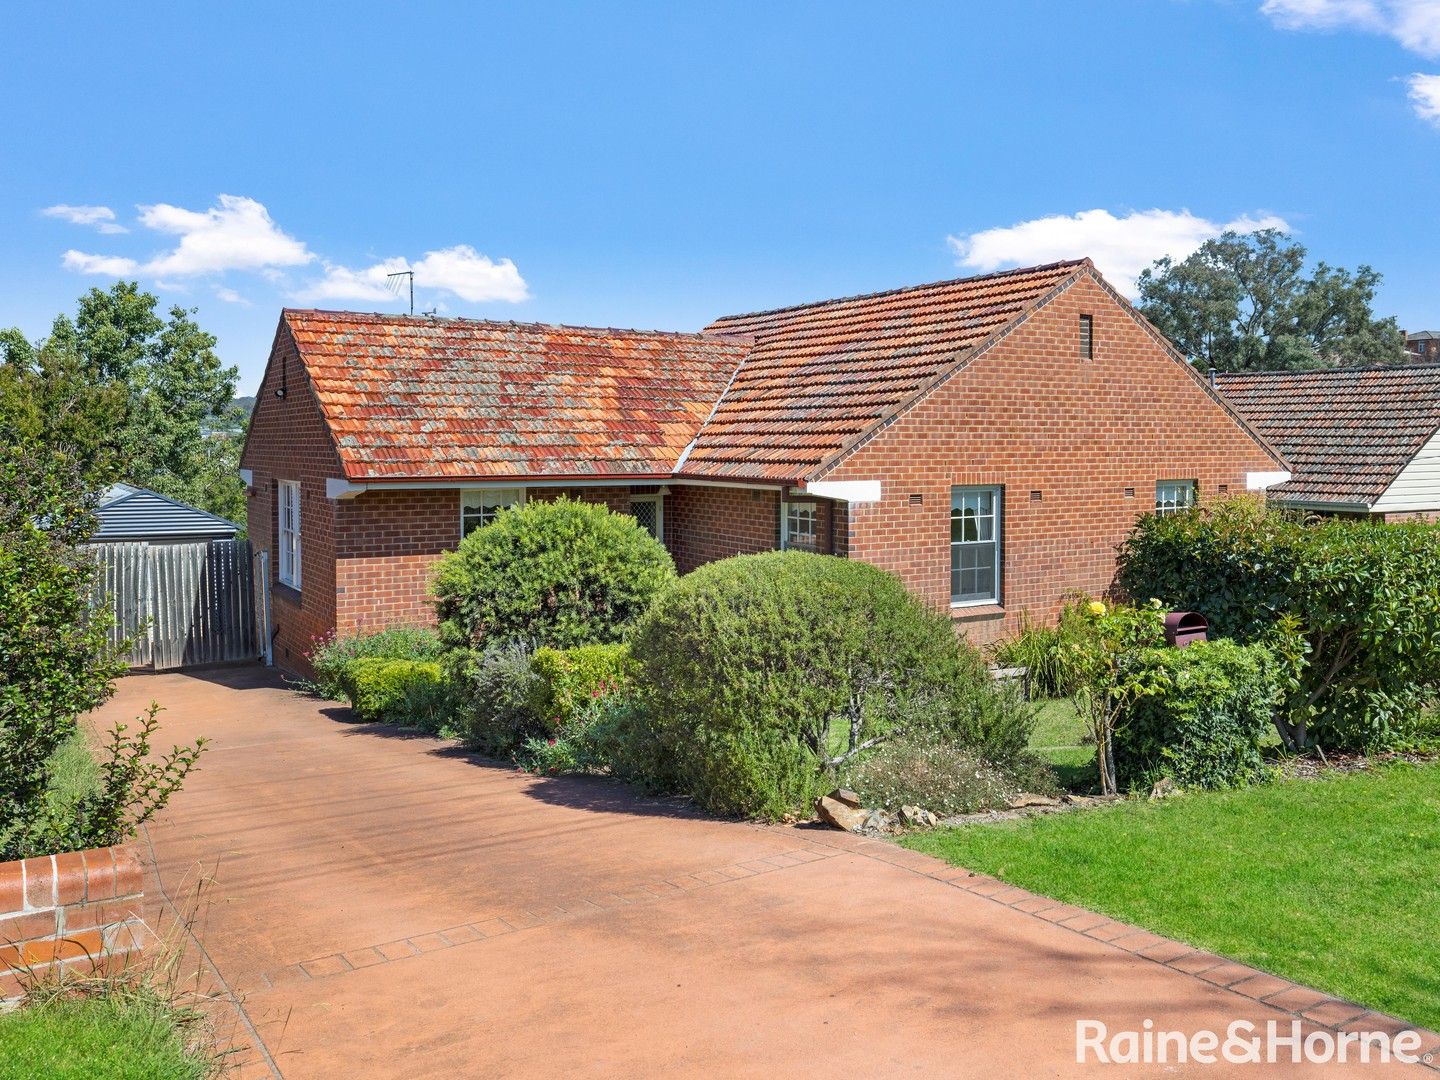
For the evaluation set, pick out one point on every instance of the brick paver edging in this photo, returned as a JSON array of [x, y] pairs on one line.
[[80, 909], [1302, 1002]]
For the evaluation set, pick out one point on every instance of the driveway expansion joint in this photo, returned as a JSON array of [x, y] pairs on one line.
[[431, 941]]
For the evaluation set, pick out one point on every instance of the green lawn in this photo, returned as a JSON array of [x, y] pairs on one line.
[[1331, 882], [1058, 739], [96, 1038]]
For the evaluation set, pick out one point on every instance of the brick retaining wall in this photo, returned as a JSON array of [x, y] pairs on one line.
[[74, 909]]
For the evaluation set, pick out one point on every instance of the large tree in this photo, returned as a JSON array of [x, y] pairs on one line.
[[1245, 302], [139, 397]]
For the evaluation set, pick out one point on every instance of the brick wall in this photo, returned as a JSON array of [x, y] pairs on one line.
[[1030, 415], [75, 909], [288, 440], [708, 523]]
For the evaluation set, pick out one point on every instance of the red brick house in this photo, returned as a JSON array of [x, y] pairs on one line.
[[990, 440]]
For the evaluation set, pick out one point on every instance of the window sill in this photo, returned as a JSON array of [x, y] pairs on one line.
[[285, 592], [976, 612]]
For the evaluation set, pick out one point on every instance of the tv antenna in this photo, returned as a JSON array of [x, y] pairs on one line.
[[393, 283]]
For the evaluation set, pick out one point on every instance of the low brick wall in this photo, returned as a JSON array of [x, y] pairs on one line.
[[78, 909]]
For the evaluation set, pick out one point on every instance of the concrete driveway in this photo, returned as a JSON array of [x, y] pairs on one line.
[[384, 905]]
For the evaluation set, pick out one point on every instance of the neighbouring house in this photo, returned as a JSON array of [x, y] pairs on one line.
[[990, 440], [1360, 440], [1423, 345], [135, 514]]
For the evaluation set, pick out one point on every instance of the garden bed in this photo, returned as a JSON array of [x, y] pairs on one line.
[[1329, 882]]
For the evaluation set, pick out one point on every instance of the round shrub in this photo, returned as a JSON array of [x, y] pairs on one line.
[[560, 573], [764, 673]]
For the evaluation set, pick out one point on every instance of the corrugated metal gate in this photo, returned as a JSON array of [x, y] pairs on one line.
[[182, 604]]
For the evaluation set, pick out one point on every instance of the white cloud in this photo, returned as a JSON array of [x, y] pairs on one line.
[[238, 234], [101, 217], [460, 271], [1120, 246], [1425, 97], [105, 265], [1415, 24]]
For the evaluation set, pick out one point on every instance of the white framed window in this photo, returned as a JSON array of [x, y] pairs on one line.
[[1173, 496], [649, 513], [288, 510], [802, 526], [480, 505], [975, 531]]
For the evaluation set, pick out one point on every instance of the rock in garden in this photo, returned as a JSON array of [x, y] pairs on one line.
[[846, 796], [838, 815], [1025, 798], [878, 821], [918, 817]]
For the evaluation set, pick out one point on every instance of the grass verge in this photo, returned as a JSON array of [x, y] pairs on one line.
[[1328, 882], [134, 1036]]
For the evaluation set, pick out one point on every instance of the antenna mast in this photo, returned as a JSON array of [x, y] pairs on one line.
[[392, 282]]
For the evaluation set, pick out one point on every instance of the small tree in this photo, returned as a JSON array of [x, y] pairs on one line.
[[1111, 675], [56, 663], [560, 573]]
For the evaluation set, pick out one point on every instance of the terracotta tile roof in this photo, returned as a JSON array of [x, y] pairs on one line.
[[1347, 432], [821, 375], [417, 397]]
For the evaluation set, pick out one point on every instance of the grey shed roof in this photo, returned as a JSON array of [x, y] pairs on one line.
[[127, 512]]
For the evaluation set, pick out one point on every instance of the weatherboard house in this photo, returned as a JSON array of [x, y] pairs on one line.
[[989, 440]]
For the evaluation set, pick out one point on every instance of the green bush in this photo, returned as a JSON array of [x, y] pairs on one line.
[[380, 690], [1204, 717], [560, 573], [331, 654], [1361, 595], [567, 680], [1045, 652], [923, 770], [495, 689], [764, 673]]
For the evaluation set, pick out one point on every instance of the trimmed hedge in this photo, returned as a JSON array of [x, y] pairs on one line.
[[332, 654], [1204, 719], [561, 573], [1362, 595], [380, 690], [760, 671], [566, 680]]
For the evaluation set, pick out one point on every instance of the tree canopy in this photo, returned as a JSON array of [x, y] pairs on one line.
[[1245, 302], [132, 396]]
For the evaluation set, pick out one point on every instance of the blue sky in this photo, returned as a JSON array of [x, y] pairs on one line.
[[657, 165]]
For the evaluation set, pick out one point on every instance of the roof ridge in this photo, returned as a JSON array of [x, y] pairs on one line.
[[1355, 370], [1057, 265], [380, 316]]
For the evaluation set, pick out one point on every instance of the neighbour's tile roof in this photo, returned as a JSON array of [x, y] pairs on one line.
[[822, 374], [408, 397], [1347, 432]]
